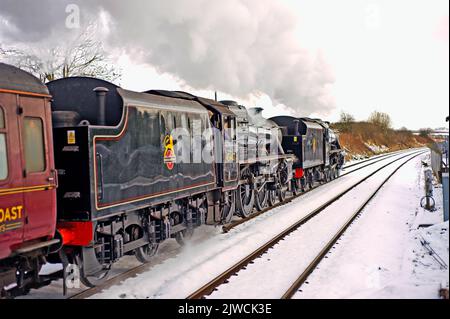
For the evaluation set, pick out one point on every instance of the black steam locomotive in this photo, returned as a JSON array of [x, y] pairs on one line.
[[134, 169], [319, 156], [137, 168]]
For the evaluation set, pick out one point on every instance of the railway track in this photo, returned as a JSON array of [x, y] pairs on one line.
[[145, 267], [374, 158], [233, 224], [211, 286], [305, 274]]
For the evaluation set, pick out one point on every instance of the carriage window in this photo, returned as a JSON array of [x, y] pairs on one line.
[[3, 157], [34, 145], [2, 119]]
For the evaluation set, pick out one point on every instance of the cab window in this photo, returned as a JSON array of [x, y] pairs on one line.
[[3, 157], [34, 144]]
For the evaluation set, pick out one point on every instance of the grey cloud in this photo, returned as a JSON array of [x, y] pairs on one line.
[[31, 20], [235, 46]]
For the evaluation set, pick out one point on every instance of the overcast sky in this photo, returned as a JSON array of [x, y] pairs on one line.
[[305, 57]]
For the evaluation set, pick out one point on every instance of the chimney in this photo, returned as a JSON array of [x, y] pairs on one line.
[[101, 99]]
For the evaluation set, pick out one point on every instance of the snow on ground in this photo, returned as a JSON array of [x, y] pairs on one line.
[[269, 277], [350, 168], [358, 158], [198, 263], [381, 255], [54, 291], [380, 151], [376, 148]]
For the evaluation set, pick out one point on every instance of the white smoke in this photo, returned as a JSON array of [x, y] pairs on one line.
[[236, 46]]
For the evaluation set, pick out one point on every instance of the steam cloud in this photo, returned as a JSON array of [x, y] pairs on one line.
[[234, 46]]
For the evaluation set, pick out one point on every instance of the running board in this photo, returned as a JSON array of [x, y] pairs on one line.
[[30, 248]]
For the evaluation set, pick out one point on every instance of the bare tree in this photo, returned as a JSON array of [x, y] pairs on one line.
[[84, 56], [425, 132], [380, 119], [404, 130], [347, 118], [346, 122]]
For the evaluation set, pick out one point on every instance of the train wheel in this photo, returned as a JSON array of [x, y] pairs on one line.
[[229, 206], [283, 173], [245, 196], [337, 172], [307, 187], [246, 200], [310, 180], [261, 197], [282, 193], [272, 197], [297, 187], [332, 174], [308, 183], [145, 253], [95, 277], [326, 175], [184, 236]]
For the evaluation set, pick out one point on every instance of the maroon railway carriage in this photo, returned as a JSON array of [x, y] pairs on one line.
[[27, 176]]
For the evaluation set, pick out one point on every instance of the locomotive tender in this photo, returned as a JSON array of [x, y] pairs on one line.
[[90, 172]]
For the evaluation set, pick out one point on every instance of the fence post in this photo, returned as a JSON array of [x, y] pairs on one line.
[[428, 188], [436, 161], [446, 195]]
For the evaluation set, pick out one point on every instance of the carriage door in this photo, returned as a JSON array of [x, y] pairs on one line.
[[11, 197], [38, 168]]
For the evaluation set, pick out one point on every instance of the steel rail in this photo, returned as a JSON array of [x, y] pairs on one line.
[[385, 155], [375, 157], [226, 228], [375, 160], [208, 288], [311, 267]]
